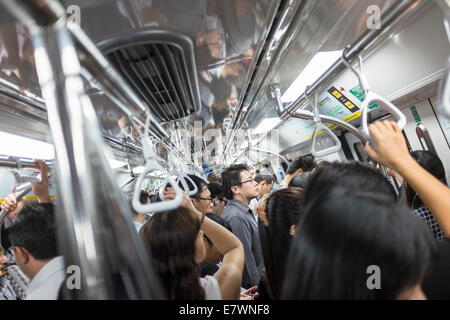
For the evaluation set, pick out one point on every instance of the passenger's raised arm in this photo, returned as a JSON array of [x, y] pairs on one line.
[[391, 151]]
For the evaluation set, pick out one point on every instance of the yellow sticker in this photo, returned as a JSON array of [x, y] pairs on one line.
[[337, 94], [352, 116], [30, 198], [349, 105]]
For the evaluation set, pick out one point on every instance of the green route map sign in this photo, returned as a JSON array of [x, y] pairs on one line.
[[357, 92]]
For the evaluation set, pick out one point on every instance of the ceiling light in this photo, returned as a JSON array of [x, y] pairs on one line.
[[22, 147], [266, 125], [320, 63]]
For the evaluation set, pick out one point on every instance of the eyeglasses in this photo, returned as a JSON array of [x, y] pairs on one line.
[[200, 198], [251, 180]]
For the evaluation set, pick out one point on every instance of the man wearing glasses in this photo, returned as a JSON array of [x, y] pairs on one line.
[[202, 200], [240, 188]]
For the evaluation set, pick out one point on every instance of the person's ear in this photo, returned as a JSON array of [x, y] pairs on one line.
[[235, 190], [22, 255]]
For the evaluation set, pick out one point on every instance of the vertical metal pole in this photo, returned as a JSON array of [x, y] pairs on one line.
[[94, 222]]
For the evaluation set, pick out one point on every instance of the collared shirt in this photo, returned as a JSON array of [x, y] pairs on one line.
[[244, 226], [46, 283], [254, 203]]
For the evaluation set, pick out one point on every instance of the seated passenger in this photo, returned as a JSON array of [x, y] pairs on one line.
[[430, 162], [174, 239], [357, 245]]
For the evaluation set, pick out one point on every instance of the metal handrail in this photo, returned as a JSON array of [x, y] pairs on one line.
[[320, 126]]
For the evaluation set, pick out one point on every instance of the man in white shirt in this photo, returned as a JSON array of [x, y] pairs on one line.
[[265, 184], [33, 239]]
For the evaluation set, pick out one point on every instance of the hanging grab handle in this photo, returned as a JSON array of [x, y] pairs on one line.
[[158, 206], [182, 179], [178, 193], [153, 165], [370, 98], [320, 126]]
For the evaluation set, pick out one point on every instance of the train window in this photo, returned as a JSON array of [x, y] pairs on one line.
[[22, 147]]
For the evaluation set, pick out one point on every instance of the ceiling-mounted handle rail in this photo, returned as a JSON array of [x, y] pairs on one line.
[[320, 126], [370, 98]]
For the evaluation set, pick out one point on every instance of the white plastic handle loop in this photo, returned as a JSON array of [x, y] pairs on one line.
[[178, 193], [370, 98], [158, 206], [185, 185], [320, 126], [373, 98]]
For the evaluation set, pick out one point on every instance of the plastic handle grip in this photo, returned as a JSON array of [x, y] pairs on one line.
[[373, 98], [186, 186], [327, 151], [158, 206]]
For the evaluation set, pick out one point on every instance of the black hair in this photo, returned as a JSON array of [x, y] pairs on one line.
[[216, 190], [304, 162], [354, 176], [342, 234], [199, 183], [300, 180], [264, 177], [433, 164], [203, 56], [230, 177], [143, 198], [35, 230], [220, 88], [283, 209]]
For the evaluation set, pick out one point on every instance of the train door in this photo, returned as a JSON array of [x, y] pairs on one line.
[[438, 129]]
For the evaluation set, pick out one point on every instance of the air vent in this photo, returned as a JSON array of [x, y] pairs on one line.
[[160, 65]]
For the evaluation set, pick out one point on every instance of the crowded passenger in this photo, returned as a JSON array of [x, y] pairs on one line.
[[281, 212], [174, 239], [430, 162], [240, 188], [218, 198], [32, 237], [264, 185], [297, 166]]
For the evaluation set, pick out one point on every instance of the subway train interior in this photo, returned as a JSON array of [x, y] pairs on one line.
[[171, 149]]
